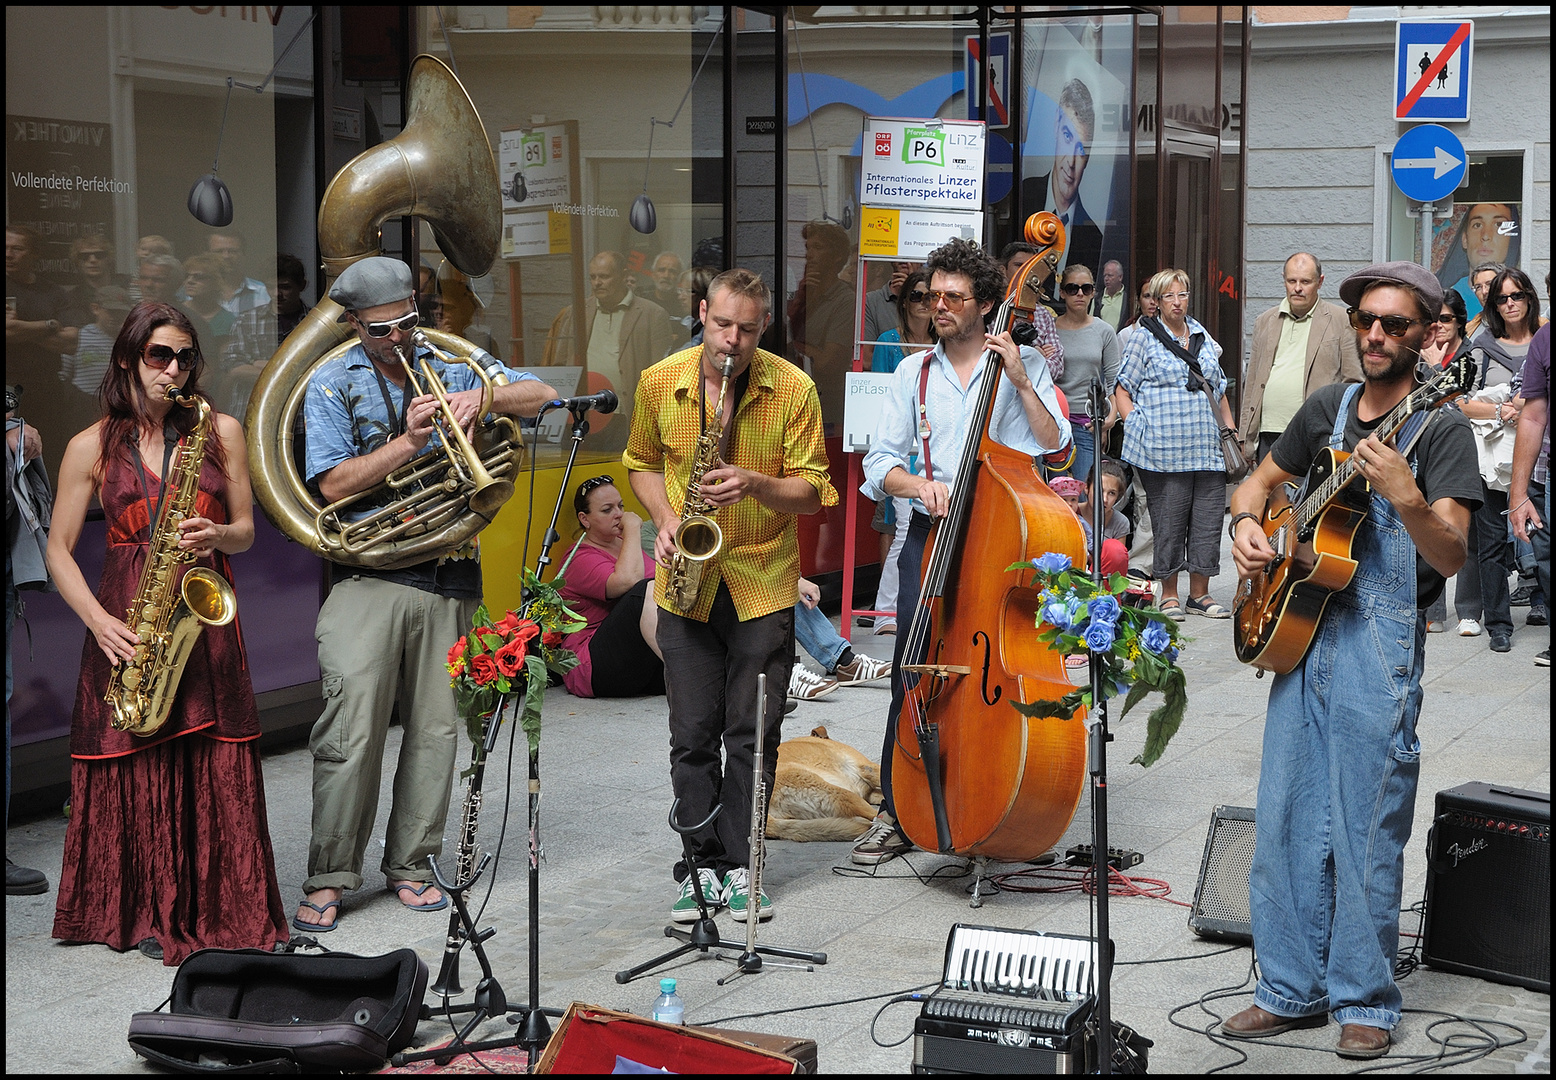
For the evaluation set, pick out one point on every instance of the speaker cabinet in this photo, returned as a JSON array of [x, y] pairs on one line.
[[1221, 898], [1488, 885]]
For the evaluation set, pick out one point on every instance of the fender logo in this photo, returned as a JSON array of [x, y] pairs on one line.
[[1460, 853]]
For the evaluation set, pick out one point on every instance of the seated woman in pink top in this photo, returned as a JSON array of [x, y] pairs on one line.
[[606, 580]]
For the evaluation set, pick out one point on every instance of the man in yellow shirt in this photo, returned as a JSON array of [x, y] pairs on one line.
[[1298, 347], [772, 467]]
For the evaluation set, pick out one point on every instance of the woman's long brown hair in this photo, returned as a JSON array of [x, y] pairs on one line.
[[123, 399]]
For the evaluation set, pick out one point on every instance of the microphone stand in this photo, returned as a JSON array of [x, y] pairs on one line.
[[1097, 738], [489, 999]]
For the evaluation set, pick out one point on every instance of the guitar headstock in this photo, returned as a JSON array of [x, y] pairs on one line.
[[1452, 381]]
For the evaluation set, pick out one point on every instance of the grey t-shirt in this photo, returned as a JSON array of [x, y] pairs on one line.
[[1090, 353]]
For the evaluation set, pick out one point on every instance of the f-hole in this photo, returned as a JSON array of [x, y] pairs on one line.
[[983, 688]]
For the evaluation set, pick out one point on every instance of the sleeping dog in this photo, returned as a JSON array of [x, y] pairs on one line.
[[825, 790]]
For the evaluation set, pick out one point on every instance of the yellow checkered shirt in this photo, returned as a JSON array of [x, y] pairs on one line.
[[776, 430]]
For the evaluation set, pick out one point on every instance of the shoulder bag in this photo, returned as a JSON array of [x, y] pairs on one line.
[[1237, 466]]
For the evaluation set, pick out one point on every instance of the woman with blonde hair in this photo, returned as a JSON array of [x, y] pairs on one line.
[[1172, 435]]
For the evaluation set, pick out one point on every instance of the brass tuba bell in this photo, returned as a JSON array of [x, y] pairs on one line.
[[439, 168]]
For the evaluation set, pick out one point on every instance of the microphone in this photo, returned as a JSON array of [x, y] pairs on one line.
[[603, 402]]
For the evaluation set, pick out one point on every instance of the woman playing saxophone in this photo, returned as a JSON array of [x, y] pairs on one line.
[[168, 847]]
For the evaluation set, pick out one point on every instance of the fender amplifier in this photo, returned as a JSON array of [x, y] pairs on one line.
[[1488, 885]]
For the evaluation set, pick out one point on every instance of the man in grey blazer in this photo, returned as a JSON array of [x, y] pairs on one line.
[[1297, 347], [620, 335]]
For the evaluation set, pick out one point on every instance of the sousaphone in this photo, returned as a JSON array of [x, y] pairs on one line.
[[439, 168]]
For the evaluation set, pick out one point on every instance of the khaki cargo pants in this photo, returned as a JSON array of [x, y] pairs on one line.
[[380, 642]]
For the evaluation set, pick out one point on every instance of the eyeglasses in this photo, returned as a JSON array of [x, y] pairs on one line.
[[1513, 297], [1083, 288], [158, 356], [85, 255], [1447, 317], [1395, 326], [953, 300], [405, 324], [918, 296], [592, 483], [1173, 296]]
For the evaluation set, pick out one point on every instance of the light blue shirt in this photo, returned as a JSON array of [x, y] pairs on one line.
[[345, 414], [949, 408]]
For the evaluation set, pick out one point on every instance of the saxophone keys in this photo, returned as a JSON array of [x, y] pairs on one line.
[[132, 678], [148, 623]]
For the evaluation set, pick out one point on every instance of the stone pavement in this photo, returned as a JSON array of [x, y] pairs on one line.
[[605, 886]]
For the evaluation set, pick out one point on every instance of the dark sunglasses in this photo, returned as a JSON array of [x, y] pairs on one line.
[[1078, 288], [594, 482], [158, 356], [1446, 317], [1395, 326], [405, 324], [918, 296], [1513, 297]]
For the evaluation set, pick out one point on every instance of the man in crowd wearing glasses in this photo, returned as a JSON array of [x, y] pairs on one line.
[[928, 411], [1297, 347], [385, 634], [1341, 759]]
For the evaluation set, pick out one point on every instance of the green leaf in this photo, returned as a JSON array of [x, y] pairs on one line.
[[1164, 722], [1136, 693], [1063, 709]]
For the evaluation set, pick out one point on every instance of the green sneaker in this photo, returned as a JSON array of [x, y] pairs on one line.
[[736, 884], [684, 910]]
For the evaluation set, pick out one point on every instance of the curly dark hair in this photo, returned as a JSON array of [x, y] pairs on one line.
[[961, 256]]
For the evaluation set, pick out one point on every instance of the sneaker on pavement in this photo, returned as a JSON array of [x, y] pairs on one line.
[[806, 685], [736, 896], [886, 627], [861, 669], [1543, 658], [1522, 596], [685, 907], [1468, 628], [881, 842], [1539, 615]]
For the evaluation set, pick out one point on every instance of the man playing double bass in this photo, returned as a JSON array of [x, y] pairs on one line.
[[1337, 785], [927, 412]]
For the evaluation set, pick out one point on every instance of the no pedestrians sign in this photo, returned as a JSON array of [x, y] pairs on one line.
[[1432, 70]]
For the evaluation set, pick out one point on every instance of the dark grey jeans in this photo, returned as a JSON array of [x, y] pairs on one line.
[[710, 681], [1187, 509]]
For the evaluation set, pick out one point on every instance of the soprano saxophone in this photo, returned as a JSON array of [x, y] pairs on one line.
[[169, 610], [698, 537]]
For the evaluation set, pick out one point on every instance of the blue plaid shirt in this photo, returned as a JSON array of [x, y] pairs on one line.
[[1172, 427]]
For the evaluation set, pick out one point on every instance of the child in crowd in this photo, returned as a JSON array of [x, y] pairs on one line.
[[1115, 556], [1115, 526]]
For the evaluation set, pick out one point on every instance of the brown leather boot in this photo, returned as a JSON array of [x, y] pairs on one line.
[[1256, 1023], [1361, 1041]]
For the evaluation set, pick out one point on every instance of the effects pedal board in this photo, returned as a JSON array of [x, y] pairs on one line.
[[1118, 858]]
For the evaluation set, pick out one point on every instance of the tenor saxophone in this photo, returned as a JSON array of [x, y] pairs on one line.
[[169, 609], [698, 537]]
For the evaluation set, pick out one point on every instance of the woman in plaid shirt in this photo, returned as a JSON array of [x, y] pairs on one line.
[[1172, 436]]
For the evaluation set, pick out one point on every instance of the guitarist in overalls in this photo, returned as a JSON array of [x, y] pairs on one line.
[[1341, 762]]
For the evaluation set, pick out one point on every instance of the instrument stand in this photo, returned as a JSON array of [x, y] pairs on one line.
[[1097, 739], [489, 1000], [704, 934], [580, 429]]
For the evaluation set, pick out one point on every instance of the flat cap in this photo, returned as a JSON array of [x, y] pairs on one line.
[[371, 283], [1408, 274]]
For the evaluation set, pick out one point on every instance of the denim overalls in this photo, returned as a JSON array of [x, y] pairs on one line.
[[1337, 788]]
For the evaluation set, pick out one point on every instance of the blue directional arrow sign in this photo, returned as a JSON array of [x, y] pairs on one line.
[[1428, 163]]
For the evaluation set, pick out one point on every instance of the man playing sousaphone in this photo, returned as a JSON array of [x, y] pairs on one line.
[[734, 619], [384, 634]]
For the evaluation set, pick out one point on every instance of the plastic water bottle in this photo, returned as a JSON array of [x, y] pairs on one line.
[[669, 1008]]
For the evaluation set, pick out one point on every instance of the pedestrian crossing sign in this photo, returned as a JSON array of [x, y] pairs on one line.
[[1432, 70]]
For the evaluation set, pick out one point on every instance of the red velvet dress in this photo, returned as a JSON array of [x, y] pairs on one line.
[[168, 836]]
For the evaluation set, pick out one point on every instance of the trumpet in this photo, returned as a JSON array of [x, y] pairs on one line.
[[428, 495]]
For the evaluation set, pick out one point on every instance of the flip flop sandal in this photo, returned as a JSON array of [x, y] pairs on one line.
[[441, 905], [1172, 609], [1207, 606], [319, 928]]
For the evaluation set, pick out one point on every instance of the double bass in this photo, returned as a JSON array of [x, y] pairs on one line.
[[970, 774]]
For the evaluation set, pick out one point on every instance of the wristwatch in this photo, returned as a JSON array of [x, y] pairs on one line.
[[1232, 528]]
